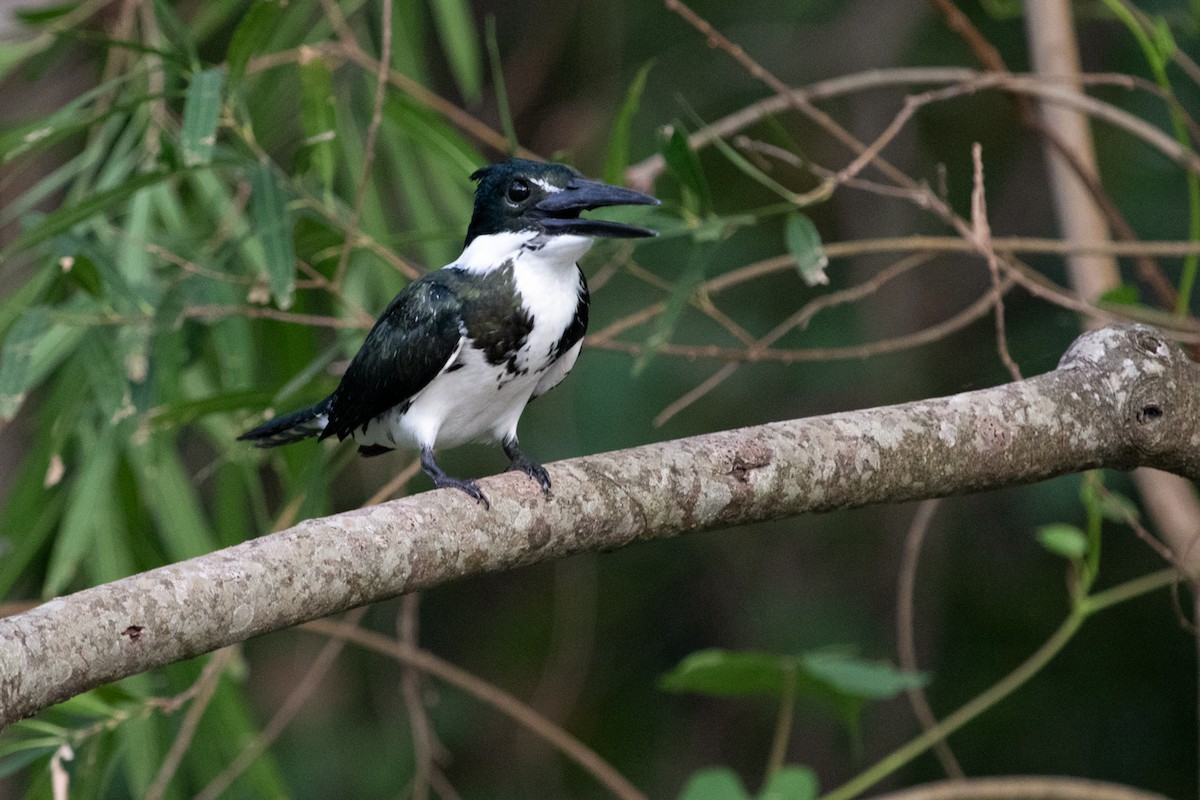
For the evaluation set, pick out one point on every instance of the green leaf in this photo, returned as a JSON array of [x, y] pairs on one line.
[[460, 41], [835, 677], [89, 704], [201, 113], [1126, 294], [856, 677], [684, 164], [1164, 40], [14, 53], [724, 672], [63, 219], [34, 346], [496, 66], [44, 16], [791, 783], [618, 143], [700, 255], [25, 755], [78, 534], [273, 225], [715, 783], [175, 31], [81, 271], [1063, 540], [318, 119], [180, 522], [1116, 507], [804, 243], [250, 35]]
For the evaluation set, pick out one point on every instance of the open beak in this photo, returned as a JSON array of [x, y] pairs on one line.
[[562, 209]]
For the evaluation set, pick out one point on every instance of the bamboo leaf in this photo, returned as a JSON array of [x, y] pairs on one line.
[[176, 32], [804, 243], [684, 164], [250, 36], [460, 40], [201, 113], [618, 147], [14, 53], [318, 120], [25, 754], [273, 227], [34, 346], [63, 219], [77, 537], [171, 500]]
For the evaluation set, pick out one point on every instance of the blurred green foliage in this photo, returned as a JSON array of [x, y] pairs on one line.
[[189, 235]]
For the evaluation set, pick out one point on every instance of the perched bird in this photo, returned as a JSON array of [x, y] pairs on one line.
[[459, 352]]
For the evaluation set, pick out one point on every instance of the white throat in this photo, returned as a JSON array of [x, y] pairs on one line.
[[489, 251]]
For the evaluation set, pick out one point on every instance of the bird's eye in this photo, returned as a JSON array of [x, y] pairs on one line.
[[518, 190]]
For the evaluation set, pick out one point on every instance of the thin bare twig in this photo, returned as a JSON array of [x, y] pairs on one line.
[[1021, 787], [492, 695], [799, 319], [200, 694], [931, 334], [283, 717], [407, 623], [906, 633], [983, 241]]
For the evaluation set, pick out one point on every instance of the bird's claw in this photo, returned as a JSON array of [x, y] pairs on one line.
[[519, 461], [464, 485], [533, 470]]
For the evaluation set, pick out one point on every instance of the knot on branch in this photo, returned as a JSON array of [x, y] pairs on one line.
[[1152, 385]]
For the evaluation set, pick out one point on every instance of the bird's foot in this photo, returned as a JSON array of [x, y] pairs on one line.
[[463, 485], [443, 481], [525, 464]]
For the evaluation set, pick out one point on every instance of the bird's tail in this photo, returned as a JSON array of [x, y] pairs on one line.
[[293, 427]]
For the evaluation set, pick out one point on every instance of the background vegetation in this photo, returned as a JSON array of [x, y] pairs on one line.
[[205, 204]]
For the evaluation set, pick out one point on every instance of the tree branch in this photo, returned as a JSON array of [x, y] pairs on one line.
[[1122, 396]]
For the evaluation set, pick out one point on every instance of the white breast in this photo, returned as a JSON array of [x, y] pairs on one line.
[[472, 400]]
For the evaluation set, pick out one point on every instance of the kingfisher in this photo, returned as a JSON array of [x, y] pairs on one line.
[[459, 352]]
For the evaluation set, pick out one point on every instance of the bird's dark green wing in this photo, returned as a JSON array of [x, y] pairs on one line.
[[409, 345]]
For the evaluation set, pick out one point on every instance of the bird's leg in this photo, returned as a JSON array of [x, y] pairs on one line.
[[443, 481], [525, 463]]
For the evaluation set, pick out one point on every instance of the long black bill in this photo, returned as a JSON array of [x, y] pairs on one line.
[[562, 209]]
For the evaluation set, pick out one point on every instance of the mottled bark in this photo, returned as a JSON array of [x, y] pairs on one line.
[[1121, 397]]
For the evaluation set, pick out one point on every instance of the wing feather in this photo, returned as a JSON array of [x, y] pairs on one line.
[[412, 341]]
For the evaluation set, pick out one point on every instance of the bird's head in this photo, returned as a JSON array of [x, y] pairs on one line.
[[520, 195]]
